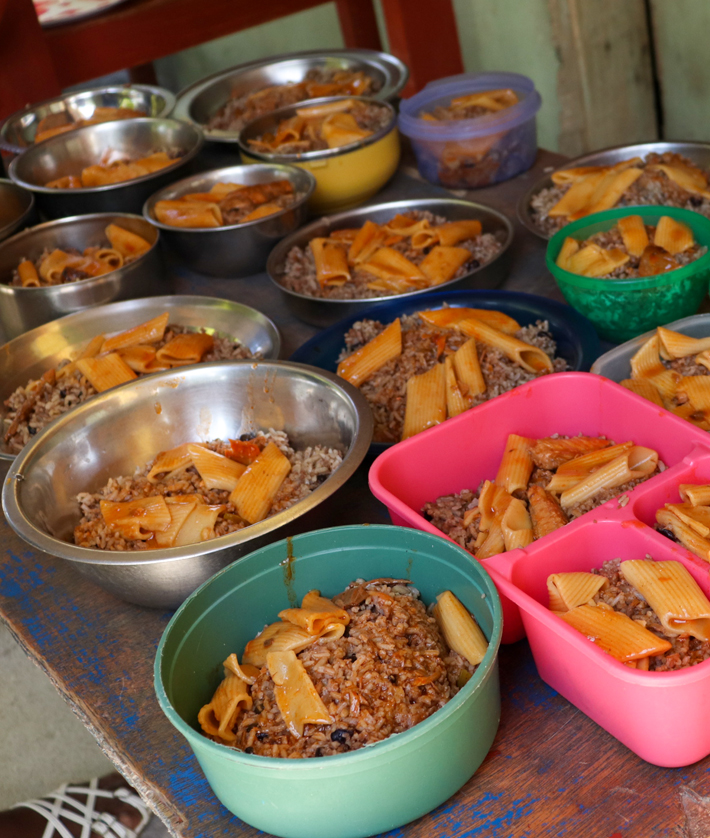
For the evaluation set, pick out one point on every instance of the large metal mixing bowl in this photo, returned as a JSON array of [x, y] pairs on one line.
[[236, 249], [22, 309], [67, 154], [125, 428]]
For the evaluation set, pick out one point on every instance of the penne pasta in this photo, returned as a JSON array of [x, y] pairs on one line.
[[516, 526], [448, 317], [184, 349], [217, 471], [698, 495], [456, 402], [151, 331], [106, 371], [28, 274], [686, 535], [198, 526], [553, 452], [246, 672], [645, 388], [442, 263], [277, 637], [258, 486], [359, 366], [426, 401], [331, 263], [545, 513], [461, 632], [219, 717], [137, 519], [516, 465], [295, 694], [568, 590], [387, 262], [180, 507], [530, 358], [633, 233], [315, 614], [573, 472], [632, 464]]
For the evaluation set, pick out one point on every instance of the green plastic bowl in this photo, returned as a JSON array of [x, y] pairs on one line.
[[371, 790], [623, 308]]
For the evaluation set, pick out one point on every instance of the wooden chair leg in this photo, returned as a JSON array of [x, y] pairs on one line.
[[359, 24], [423, 34], [26, 70]]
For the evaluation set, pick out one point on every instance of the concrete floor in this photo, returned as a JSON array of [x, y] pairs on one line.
[[42, 744]]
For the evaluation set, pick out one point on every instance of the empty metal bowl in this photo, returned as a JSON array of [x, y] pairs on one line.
[[17, 208], [18, 130], [68, 154], [235, 249], [345, 176], [200, 101], [123, 429], [324, 312], [34, 353], [22, 309]]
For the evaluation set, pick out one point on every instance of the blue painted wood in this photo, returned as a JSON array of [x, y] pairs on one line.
[[551, 771]]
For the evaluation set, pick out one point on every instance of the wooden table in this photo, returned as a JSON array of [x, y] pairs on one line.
[[551, 770], [38, 63]]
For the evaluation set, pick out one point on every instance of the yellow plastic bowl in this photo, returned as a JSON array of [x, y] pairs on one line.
[[345, 177]]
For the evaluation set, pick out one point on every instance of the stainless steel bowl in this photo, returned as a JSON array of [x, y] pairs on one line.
[[68, 154], [236, 249], [22, 309], [322, 312], [17, 208], [18, 130], [32, 354], [120, 430], [699, 153], [200, 101]]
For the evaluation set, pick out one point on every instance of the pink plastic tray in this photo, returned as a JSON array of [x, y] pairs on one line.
[[462, 452]]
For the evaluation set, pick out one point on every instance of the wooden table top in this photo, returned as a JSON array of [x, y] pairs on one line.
[[551, 771]]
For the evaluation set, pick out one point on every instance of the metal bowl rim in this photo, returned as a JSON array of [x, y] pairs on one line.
[[84, 190], [148, 206], [194, 301], [364, 424], [418, 204], [524, 203], [323, 153], [169, 97], [7, 231], [90, 282], [188, 94]]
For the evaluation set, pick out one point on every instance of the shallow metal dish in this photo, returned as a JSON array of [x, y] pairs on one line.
[[235, 249], [120, 430], [200, 101], [321, 312], [17, 208], [32, 354], [18, 130], [68, 154], [22, 309], [699, 153]]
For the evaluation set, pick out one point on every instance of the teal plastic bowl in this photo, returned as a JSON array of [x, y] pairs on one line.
[[368, 791], [623, 308]]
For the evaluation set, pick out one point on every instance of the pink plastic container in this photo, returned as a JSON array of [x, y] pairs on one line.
[[462, 452]]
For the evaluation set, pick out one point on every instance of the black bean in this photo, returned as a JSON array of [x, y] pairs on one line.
[[263, 736], [393, 679], [62, 394], [248, 750], [352, 658], [475, 264], [668, 534], [318, 753], [695, 200], [340, 735], [32, 431], [246, 437]]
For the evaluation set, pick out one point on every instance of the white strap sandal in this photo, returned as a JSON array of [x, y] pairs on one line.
[[58, 806]]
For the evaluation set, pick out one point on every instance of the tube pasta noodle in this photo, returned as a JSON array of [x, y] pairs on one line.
[[568, 590], [426, 401], [689, 521], [276, 684], [447, 317], [456, 401], [542, 484], [529, 357], [106, 372], [258, 486], [58, 266], [103, 174], [698, 495]]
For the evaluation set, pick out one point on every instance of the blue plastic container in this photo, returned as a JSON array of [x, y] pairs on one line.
[[472, 153]]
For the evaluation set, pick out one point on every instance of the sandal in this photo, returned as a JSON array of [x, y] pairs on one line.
[[58, 806]]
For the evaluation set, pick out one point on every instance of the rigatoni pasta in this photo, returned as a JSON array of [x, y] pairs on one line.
[[303, 674]]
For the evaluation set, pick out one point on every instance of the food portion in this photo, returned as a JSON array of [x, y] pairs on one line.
[[60, 123], [114, 168], [57, 267], [541, 485], [672, 370], [226, 204], [241, 109], [200, 491], [473, 105], [411, 251], [649, 615], [688, 522], [105, 362], [336, 675], [319, 127], [668, 179], [425, 367], [631, 249]]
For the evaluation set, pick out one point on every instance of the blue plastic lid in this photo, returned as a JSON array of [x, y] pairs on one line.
[[442, 91]]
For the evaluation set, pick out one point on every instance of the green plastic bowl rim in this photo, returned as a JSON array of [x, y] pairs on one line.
[[601, 221], [393, 742]]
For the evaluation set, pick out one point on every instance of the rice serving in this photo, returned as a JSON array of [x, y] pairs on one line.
[[55, 399], [422, 347], [389, 671], [309, 468]]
